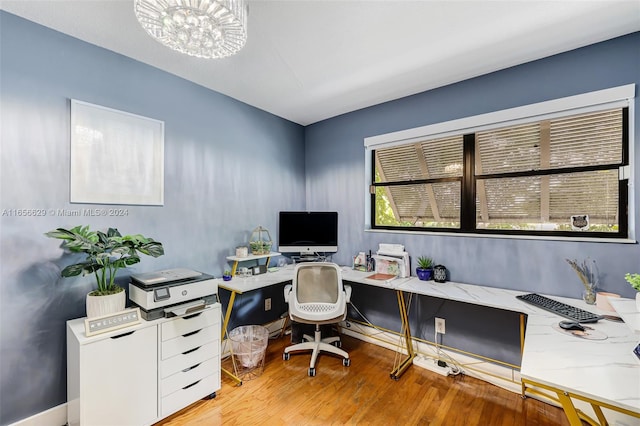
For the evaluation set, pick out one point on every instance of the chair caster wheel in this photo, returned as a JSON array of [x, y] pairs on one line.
[[337, 344], [285, 356], [346, 362], [312, 372]]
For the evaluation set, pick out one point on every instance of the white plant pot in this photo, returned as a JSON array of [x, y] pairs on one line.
[[638, 301], [104, 305]]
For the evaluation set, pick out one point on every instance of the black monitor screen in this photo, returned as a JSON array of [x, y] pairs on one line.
[[308, 232]]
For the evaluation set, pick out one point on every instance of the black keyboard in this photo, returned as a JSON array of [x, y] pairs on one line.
[[559, 308]]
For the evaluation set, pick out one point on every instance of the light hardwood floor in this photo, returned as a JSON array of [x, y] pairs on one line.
[[362, 394]]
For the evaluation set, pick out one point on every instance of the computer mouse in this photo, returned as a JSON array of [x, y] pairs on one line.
[[570, 325]]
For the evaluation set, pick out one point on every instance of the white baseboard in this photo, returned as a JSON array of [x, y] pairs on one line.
[[502, 376], [56, 416]]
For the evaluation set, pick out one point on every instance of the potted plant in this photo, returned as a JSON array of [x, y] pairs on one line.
[[226, 275], [425, 268], [634, 280], [105, 254]]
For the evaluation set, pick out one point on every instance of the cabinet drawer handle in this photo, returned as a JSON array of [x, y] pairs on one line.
[[191, 350], [192, 316], [192, 333], [123, 335], [192, 384], [191, 368]]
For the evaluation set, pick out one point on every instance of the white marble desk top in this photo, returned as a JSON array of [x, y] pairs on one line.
[[244, 284], [604, 370], [241, 284], [475, 294]]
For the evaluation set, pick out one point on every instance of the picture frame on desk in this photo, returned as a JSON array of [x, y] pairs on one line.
[[111, 322]]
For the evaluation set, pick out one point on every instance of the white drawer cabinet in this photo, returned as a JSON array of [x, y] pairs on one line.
[[189, 360], [112, 378], [141, 374]]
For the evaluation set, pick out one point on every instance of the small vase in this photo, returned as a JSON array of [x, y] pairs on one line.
[[589, 295]]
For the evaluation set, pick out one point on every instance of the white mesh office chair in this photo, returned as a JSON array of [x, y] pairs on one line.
[[317, 296]]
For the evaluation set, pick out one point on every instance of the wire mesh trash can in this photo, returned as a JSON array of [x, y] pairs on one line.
[[248, 346]]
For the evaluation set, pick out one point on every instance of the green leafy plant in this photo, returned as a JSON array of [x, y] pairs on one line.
[[425, 262], [105, 254], [634, 280]]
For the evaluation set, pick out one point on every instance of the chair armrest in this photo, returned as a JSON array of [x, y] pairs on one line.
[[287, 292], [347, 290]]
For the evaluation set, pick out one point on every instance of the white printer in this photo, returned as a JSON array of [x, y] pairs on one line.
[[172, 292], [392, 259]]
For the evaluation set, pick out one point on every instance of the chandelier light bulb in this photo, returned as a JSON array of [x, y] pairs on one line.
[[201, 28]]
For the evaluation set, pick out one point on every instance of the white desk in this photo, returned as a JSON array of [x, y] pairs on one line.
[[604, 373]]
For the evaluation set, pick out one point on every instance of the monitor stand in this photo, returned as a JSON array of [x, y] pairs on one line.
[[309, 257]]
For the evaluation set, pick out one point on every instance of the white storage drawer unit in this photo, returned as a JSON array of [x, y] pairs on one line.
[[143, 373], [189, 360]]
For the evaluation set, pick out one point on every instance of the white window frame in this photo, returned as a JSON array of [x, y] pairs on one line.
[[615, 97]]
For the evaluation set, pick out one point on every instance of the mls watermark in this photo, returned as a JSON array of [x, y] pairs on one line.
[[85, 212]]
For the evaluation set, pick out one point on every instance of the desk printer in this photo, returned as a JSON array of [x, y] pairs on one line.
[[172, 292]]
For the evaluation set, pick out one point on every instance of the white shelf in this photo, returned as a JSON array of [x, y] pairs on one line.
[[252, 257]]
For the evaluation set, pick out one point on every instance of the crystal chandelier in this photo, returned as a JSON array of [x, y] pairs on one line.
[[201, 28]]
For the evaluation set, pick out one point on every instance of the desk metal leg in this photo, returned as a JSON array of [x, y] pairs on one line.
[[225, 334], [406, 333], [227, 315], [569, 409], [575, 416]]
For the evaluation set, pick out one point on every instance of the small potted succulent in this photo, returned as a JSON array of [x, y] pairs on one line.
[[634, 281], [425, 268], [226, 275]]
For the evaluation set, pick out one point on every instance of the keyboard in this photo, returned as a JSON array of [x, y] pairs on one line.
[[559, 308]]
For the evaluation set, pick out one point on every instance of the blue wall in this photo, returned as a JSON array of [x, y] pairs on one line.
[[335, 157], [335, 174], [222, 160]]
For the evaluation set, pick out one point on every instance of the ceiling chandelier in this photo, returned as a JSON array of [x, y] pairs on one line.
[[202, 28]]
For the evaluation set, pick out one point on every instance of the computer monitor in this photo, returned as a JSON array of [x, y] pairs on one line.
[[308, 233]]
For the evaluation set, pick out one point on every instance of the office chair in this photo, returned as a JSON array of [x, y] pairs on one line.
[[317, 296]]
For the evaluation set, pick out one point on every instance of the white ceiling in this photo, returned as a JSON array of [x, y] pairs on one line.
[[311, 60]]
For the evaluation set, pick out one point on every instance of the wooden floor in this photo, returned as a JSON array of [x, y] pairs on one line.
[[361, 394]]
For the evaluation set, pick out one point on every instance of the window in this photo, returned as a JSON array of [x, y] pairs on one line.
[[563, 174], [419, 185]]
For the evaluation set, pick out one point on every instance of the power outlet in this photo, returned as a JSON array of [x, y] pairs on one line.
[[440, 325], [267, 304]]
